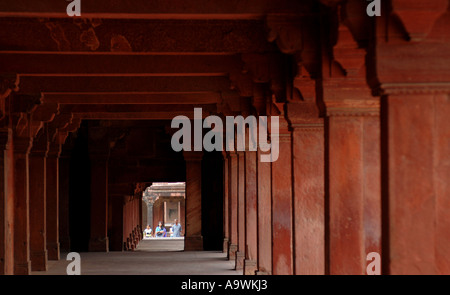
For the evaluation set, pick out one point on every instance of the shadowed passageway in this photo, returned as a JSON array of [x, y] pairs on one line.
[[353, 110]]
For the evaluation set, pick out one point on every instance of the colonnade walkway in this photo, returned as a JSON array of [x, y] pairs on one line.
[[149, 258]]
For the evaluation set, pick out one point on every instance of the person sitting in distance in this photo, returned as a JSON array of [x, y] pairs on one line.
[[148, 232], [160, 231]]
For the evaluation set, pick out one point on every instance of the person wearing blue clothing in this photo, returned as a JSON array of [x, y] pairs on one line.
[[160, 231], [176, 229]]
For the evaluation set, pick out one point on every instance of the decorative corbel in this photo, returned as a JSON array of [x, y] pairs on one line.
[[267, 68], [41, 142], [26, 103], [8, 83], [22, 106], [259, 99], [62, 120], [286, 31], [304, 86], [418, 17], [44, 113], [347, 53], [62, 133]]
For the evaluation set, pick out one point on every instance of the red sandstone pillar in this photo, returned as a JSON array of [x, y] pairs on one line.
[[240, 254], [22, 264], [37, 175], [183, 216], [416, 188], [99, 156], [139, 215], [233, 207], [354, 177], [251, 212], [411, 70], [126, 221], [308, 189], [117, 219], [226, 226], [193, 240], [264, 196], [64, 237], [53, 201], [6, 204], [282, 229], [99, 204]]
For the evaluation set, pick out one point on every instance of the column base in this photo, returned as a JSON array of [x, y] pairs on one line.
[[39, 261], [240, 257], [22, 269], [194, 243], [99, 244], [53, 251], [232, 249], [225, 245], [250, 267]]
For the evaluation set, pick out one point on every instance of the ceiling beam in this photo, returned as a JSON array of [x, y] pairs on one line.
[[136, 112], [133, 98], [115, 35], [76, 84], [155, 9], [117, 64]]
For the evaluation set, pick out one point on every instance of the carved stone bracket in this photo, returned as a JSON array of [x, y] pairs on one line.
[[418, 17], [286, 31], [268, 68], [26, 103], [347, 54], [62, 120], [8, 83], [41, 143], [44, 113]]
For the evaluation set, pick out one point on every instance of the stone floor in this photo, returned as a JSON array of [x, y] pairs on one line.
[[152, 257]]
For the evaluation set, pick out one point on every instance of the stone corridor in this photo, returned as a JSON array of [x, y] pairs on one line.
[[362, 105], [148, 259]]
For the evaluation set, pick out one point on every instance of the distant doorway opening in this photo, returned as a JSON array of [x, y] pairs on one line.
[[163, 217]]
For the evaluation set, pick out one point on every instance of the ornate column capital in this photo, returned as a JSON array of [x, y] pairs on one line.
[[286, 31], [410, 12]]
